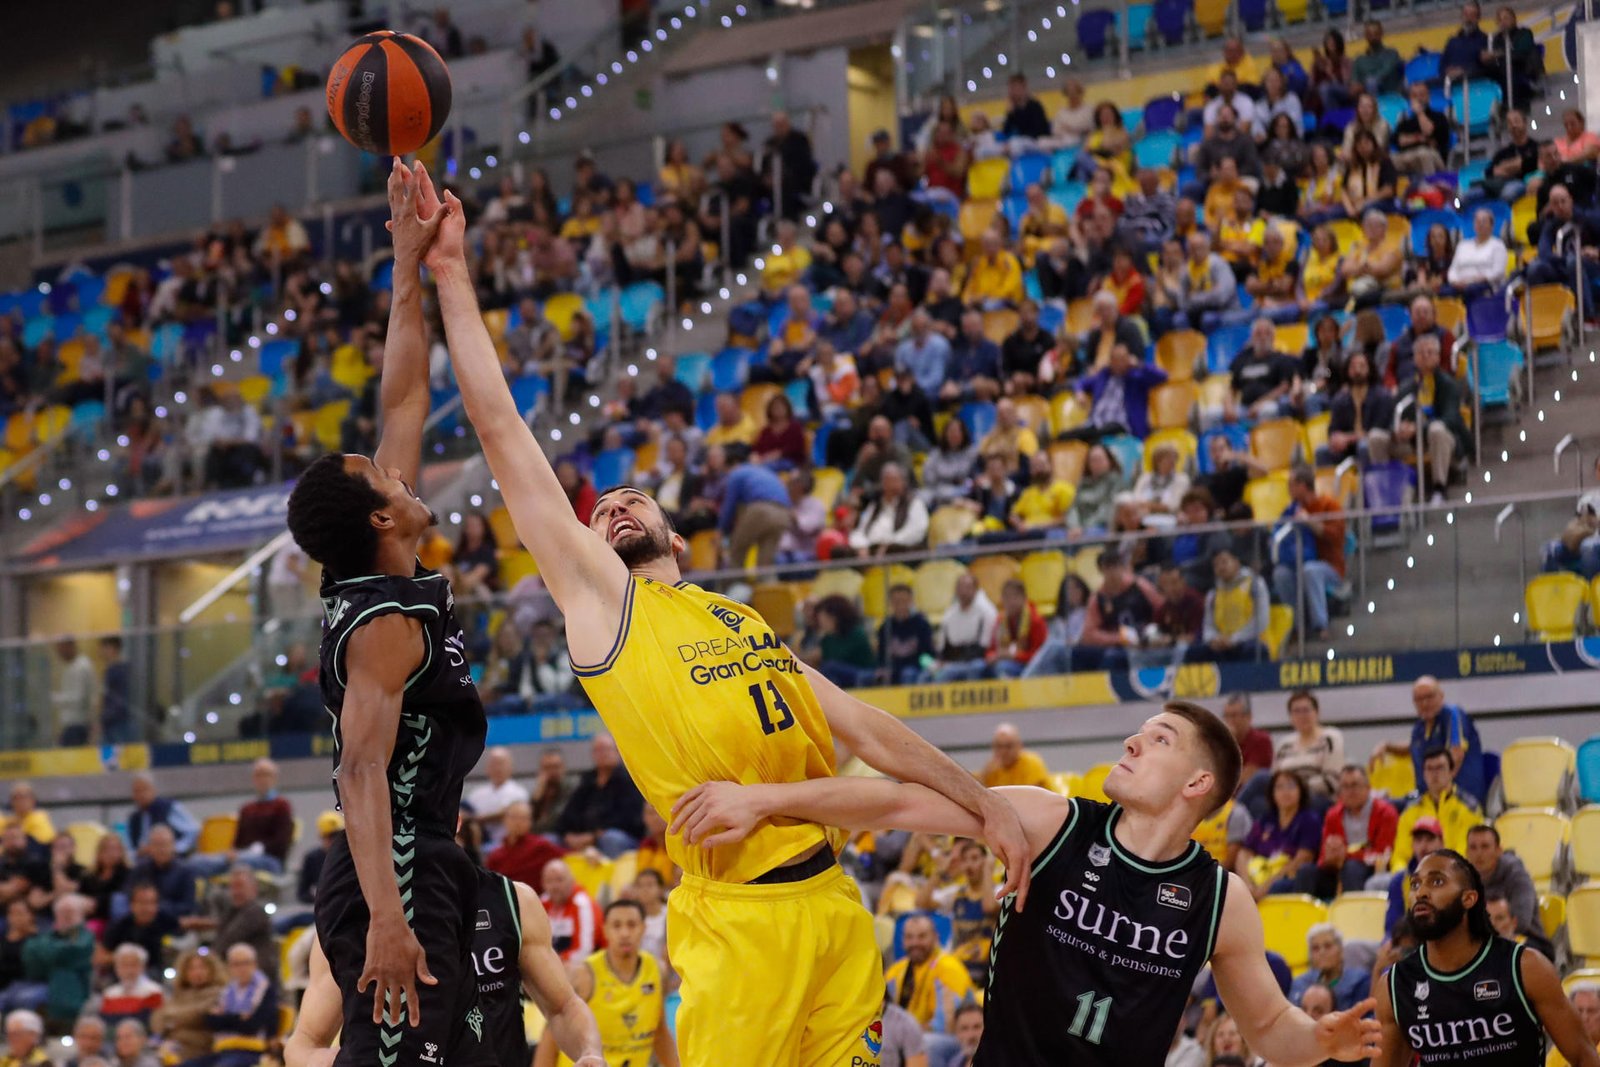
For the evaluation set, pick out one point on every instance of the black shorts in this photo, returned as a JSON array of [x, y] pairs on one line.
[[444, 907]]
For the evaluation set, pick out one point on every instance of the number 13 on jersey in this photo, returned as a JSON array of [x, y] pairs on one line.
[[779, 705]]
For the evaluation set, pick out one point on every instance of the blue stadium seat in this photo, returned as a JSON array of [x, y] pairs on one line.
[[447, 424], [641, 301], [97, 320], [1223, 344], [1423, 221], [1069, 195], [799, 394], [383, 275], [612, 467], [1030, 285], [645, 193], [1471, 173], [692, 370], [1061, 165], [1253, 13], [1495, 206], [1480, 97], [1487, 319], [1238, 438], [90, 288], [729, 369], [1094, 32], [1171, 18], [819, 444], [1051, 317], [1396, 319], [1131, 117], [87, 415], [979, 417], [37, 329], [31, 302], [1029, 169], [705, 410], [1157, 149], [1589, 770], [1013, 208], [1139, 16], [1129, 451], [1161, 113], [1393, 107], [1423, 67], [1386, 485], [1497, 362], [527, 390], [271, 360]]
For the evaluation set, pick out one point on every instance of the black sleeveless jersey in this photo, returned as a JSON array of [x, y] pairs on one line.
[[496, 956], [442, 724], [1097, 970], [1478, 1015]]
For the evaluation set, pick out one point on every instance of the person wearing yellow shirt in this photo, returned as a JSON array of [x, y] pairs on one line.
[[1010, 763], [350, 367], [929, 982], [1319, 277], [1276, 279], [1046, 500], [583, 223], [1236, 59], [1044, 220], [1010, 437], [1585, 999], [994, 279], [787, 262], [1219, 202], [25, 809], [733, 426], [1240, 234], [1439, 800]]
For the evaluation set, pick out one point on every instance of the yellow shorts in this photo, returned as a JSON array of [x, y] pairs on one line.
[[778, 975]]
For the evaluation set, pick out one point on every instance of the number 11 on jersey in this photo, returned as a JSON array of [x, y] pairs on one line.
[[1087, 1006], [781, 706]]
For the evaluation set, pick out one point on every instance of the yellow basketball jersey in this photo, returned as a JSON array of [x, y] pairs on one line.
[[627, 1013], [697, 688]]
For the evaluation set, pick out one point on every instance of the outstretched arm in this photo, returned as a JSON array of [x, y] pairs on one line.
[[403, 389], [888, 745], [569, 1022], [1279, 1031], [1554, 1010], [585, 576]]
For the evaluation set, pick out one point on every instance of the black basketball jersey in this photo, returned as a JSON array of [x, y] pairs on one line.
[[496, 952], [1478, 1015], [442, 724], [1097, 970]]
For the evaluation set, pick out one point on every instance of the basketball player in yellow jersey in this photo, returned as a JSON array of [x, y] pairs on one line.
[[778, 959], [622, 986]]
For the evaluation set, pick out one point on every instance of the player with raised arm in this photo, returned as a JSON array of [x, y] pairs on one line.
[[407, 723], [1127, 906], [1467, 995], [513, 956], [778, 958]]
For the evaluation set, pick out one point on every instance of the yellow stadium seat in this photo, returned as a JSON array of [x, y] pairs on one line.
[[705, 551], [1552, 914], [1067, 459], [1400, 230], [776, 603], [1280, 623], [1171, 404], [1080, 316], [51, 423], [935, 586], [883, 931], [998, 325], [1586, 842], [1594, 592], [1035, 414], [1067, 412], [19, 433], [1178, 351], [624, 869], [1550, 306], [1583, 924], [875, 585], [504, 530], [1291, 11], [1290, 337], [216, 834], [1182, 440], [117, 283], [986, 179], [1523, 211], [1286, 918], [1211, 17], [1581, 976], [592, 874], [1316, 433], [1393, 775], [1276, 442], [1084, 565], [826, 483], [1268, 496], [495, 321], [1359, 916], [1093, 785], [85, 840], [897, 899], [948, 524], [560, 309], [1552, 602], [328, 423], [975, 217], [1214, 391], [753, 401], [254, 389], [1539, 835], [1345, 233], [1067, 783], [838, 582], [1042, 573], [993, 572], [1534, 771], [1450, 313], [515, 565]]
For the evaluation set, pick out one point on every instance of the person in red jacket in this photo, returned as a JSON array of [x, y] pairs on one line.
[[1357, 838], [1018, 632], [576, 930], [522, 854]]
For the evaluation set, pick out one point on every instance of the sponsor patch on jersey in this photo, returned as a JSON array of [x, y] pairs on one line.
[[873, 1036], [483, 919], [1489, 990], [647, 988], [1174, 896], [1099, 855], [1421, 992]]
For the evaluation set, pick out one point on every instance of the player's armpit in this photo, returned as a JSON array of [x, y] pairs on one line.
[[1397, 1051], [1550, 1004], [718, 813]]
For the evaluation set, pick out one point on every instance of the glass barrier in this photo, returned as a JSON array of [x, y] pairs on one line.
[[1418, 579]]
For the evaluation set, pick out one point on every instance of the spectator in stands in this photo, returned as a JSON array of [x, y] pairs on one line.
[[1117, 395], [1044, 503], [146, 924], [1380, 69], [88, 1040], [1229, 95], [1277, 99], [1025, 116], [24, 810], [1437, 398], [1524, 62], [131, 1046], [1359, 418], [1372, 267], [1507, 925], [945, 161], [1439, 798], [1370, 181], [603, 811], [265, 827], [1479, 264], [1561, 231], [808, 515], [24, 1035], [186, 143], [550, 791], [329, 823], [1430, 272], [1358, 836], [1424, 323], [522, 855], [1505, 873], [1045, 219], [1236, 612], [1585, 997], [897, 521], [1161, 489], [1314, 561], [1118, 613], [1274, 281], [1063, 631], [1349, 985], [792, 148], [180, 1023], [1095, 499], [16, 991], [132, 994], [928, 982], [1011, 438], [159, 864], [1107, 328], [73, 698], [283, 239], [1024, 352], [1149, 214], [491, 798], [733, 426], [1577, 549], [754, 513], [965, 633], [1209, 289], [1514, 163], [1576, 143], [230, 437], [1226, 138], [106, 877], [236, 917], [575, 926], [1425, 837], [1261, 377], [1018, 632], [1421, 138], [994, 278], [246, 1015], [1254, 745], [1074, 122], [1464, 50], [905, 638], [947, 468], [1283, 840], [63, 959], [925, 353]]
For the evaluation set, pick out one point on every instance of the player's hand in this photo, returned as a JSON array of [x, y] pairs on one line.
[[395, 963], [1003, 830], [450, 245], [411, 223], [1351, 1035], [714, 813]]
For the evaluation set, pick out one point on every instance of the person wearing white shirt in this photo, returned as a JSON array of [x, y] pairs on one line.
[[1075, 120], [1278, 101], [490, 799], [1244, 109], [76, 721], [1481, 260], [965, 633], [896, 521]]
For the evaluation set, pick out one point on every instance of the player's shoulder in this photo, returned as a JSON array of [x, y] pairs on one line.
[[353, 601]]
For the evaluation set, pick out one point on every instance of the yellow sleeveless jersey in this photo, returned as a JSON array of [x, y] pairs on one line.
[[697, 688], [627, 1013]]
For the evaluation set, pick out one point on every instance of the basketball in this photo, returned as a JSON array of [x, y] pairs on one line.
[[389, 93]]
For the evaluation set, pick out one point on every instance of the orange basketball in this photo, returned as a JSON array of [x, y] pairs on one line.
[[389, 93]]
